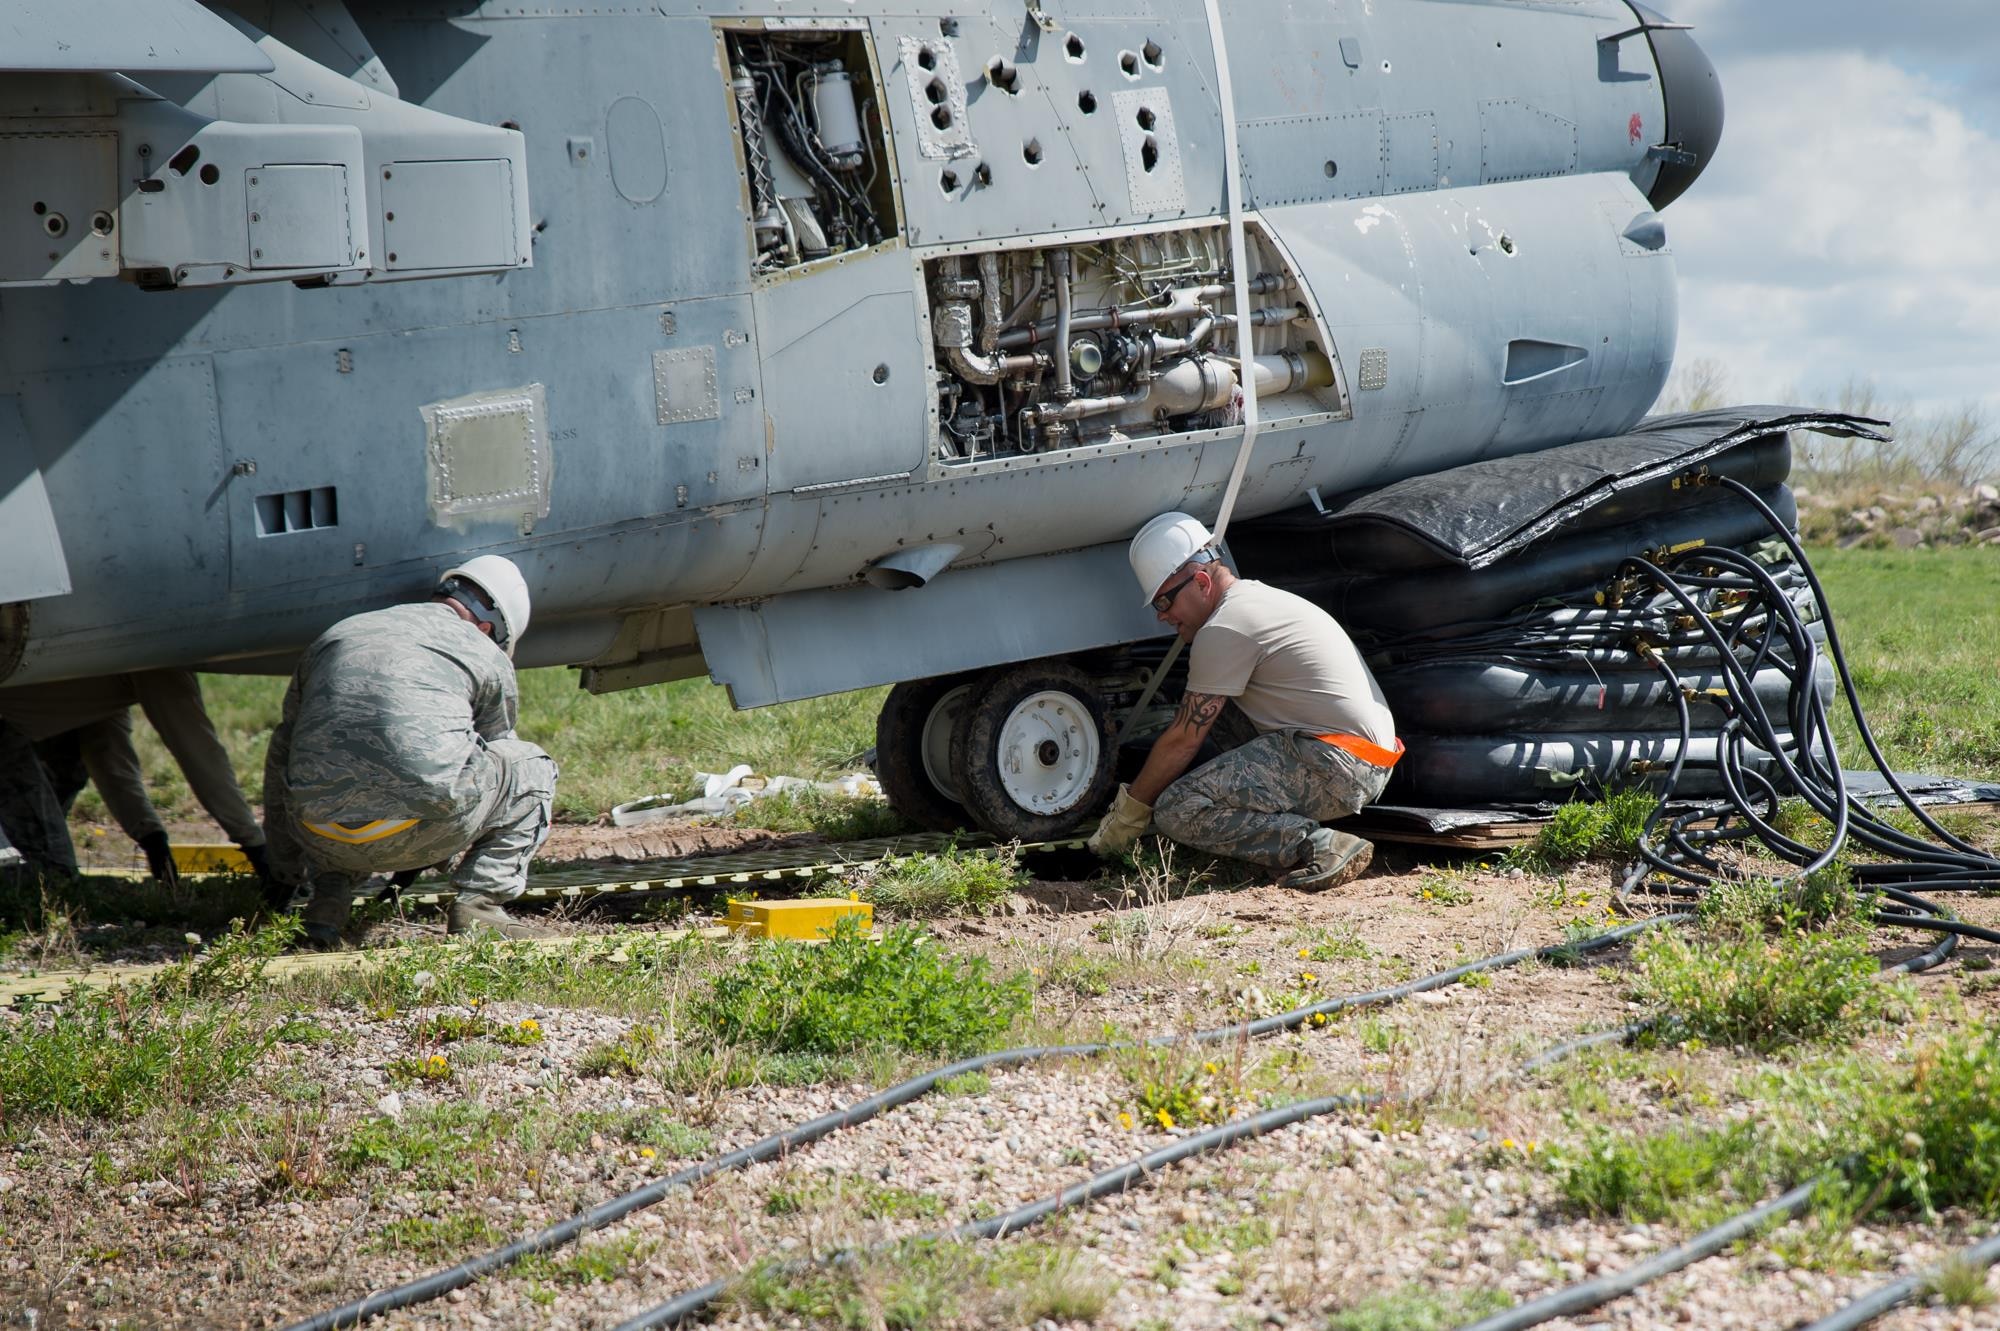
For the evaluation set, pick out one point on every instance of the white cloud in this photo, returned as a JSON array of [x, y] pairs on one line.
[[1846, 230]]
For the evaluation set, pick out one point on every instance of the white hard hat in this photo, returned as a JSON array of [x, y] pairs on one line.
[[1162, 546], [506, 595]]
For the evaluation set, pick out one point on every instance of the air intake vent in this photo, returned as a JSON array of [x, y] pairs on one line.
[[297, 510]]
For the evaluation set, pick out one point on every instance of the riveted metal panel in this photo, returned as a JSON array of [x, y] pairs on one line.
[[1152, 150], [299, 217], [449, 214], [489, 453], [1297, 159], [684, 385], [1522, 142], [843, 367], [1374, 369], [937, 96], [1409, 152]]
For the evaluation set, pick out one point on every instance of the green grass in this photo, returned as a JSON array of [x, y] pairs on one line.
[[920, 1285], [851, 993], [1746, 990], [1910, 1137], [1921, 641], [180, 1043], [1606, 828], [951, 882]]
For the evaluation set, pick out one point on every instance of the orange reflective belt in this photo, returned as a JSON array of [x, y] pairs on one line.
[[1373, 754]]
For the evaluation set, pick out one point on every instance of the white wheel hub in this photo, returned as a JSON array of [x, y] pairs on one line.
[[1048, 753], [937, 740]]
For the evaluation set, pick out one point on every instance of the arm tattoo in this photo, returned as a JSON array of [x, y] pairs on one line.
[[1199, 710]]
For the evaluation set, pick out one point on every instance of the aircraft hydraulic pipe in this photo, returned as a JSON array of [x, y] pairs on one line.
[[1180, 346], [1064, 388], [1185, 303]]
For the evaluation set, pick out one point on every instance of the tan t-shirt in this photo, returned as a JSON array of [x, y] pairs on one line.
[[1288, 665]]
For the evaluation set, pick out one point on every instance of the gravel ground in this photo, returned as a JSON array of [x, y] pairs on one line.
[[1283, 1231]]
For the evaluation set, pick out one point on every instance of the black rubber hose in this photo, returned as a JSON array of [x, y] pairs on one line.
[[1871, 1306], [1591, 1293], [440, 1283], [678, 1310]]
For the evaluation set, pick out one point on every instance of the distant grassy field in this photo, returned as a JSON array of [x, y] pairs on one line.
[[1922, 634], [1920, 628]]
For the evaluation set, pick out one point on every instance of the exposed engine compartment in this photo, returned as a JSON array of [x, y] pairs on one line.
[[1053, 347], [813, 145]]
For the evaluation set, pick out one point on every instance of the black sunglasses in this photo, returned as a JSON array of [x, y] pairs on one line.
[[1165, 600]]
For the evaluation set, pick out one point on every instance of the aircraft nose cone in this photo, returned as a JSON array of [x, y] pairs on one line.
[[1693, 95]]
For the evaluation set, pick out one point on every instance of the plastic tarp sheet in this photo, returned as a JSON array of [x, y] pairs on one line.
[[1481, 513]]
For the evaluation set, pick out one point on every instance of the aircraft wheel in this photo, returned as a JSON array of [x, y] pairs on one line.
[[913, 750], [1032, 751]]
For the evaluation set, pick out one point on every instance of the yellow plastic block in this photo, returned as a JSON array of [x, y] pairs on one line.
[[210, 859], [811, 917]]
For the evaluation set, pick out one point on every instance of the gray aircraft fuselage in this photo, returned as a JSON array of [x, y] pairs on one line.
[[857, 337]]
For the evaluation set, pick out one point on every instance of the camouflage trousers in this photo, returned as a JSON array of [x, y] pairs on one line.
[[1262, 801], [493, 839], [31, 814]]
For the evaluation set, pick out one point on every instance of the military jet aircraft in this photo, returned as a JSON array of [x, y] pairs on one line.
[[808, 344]]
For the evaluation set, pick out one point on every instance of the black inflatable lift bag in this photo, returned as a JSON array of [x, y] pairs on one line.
[[1479, 514], [1417, 601], [1487, 697], [1453, 771]]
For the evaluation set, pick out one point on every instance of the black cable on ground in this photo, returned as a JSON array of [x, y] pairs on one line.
[[440, 1283], [1589, 1294], [678, 1310], [1871, 1306]]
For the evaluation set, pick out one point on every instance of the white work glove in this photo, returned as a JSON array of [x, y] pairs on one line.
[[1122, 825]]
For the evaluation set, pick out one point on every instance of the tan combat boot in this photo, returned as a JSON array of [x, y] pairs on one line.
[[1335, 858], [482, 915]]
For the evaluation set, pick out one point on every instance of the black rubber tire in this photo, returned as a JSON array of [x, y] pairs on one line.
[[976, 756], [899, 753]]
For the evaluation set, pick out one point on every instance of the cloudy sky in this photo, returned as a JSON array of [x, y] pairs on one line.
[[1849, 227]]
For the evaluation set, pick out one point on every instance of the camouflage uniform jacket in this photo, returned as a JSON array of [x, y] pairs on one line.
[[394, 711]]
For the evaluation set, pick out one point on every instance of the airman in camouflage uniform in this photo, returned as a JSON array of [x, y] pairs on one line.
[[396, 752]]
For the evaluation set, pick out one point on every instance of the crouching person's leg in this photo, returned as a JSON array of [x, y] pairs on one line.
[[1243, 805], [1264, 802], [323, 923], [494, 870]]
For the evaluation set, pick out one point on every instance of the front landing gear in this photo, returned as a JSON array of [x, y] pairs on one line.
[[1023, 752]]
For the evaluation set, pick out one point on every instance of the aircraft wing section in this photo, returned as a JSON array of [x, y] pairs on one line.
[[124, 36]]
